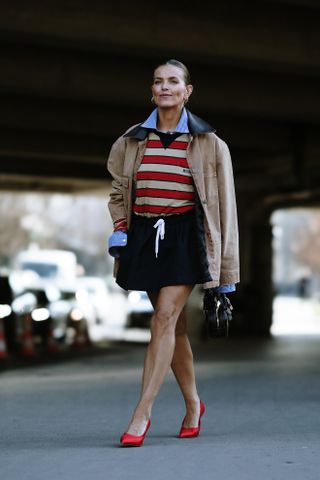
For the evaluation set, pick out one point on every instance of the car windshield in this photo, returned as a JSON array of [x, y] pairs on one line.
[[44, 270], [90, 289], [67, 295]]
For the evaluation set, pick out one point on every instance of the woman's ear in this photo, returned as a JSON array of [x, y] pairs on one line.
[[189, 89]]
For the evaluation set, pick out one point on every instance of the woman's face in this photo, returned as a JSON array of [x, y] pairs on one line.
[[169, 89]]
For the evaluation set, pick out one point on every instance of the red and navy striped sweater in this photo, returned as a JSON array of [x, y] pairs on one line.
[[164, 181]]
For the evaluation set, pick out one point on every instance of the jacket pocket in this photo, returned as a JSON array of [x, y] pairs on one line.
[[210, 187]]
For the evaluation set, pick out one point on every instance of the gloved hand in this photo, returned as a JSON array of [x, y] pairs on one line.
[[117, 239]]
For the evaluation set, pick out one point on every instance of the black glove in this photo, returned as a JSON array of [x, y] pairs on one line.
[[217, 312]]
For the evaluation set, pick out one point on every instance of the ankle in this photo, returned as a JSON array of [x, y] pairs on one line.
[[143, 411], [192, 402]]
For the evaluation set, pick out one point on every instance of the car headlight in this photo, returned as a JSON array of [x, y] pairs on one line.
[[5, 310], [76, 314], [40, 314]]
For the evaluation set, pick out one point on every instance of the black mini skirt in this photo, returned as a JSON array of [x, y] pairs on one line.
[[176, 262]]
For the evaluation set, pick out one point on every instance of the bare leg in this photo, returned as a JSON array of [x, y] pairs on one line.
[[183, 368], [171, 301]]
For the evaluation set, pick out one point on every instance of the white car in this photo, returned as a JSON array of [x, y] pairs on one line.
[[140, 309], [110, 306], [73, 305], [98, 295]]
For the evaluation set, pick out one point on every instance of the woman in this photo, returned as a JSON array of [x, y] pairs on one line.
[[173, 202]]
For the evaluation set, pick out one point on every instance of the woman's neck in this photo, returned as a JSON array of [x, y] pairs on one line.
[[168, 119]]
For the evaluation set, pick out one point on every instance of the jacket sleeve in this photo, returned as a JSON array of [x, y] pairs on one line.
[[229, 272], [115, 168]]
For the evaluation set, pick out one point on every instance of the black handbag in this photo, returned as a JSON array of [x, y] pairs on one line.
[[217, 310]]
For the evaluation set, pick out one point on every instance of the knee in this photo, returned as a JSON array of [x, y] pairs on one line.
[[163, 321]]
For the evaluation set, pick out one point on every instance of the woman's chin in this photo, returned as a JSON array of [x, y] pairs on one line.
[[168, 104]]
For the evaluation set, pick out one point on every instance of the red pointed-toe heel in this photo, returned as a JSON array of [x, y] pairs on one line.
[[193, 431], [128, 440]]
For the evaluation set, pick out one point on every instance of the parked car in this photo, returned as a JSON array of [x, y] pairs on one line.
[[110, 306], [35, 303], [71, 308], [7, 315], [140, 310], [99, 296], [50, 265]]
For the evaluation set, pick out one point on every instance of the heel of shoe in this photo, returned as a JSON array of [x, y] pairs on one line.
[[193, 431]]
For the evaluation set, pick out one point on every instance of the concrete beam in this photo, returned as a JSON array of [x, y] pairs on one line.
[[32, 166], [62, 74], [33, 113], [44, 183], [247, 32], [108, 121], [309, 4], [45, 146], [78, 156]]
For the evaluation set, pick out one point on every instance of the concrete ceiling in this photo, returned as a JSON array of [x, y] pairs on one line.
[[75, 75]]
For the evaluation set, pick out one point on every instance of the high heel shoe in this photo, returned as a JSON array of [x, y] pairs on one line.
[[193, 431], [128, 440]]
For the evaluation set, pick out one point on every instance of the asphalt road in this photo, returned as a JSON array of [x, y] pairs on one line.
[[63, 421]]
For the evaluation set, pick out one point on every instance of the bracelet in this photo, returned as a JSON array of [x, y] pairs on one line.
[[120, 224]]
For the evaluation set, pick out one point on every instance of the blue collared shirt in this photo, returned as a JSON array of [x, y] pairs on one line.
[[182, 127]]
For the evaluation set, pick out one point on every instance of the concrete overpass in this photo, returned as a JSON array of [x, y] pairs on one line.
[[75, 75]]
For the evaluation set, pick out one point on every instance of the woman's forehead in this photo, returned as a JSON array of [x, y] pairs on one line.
[[168, 71]]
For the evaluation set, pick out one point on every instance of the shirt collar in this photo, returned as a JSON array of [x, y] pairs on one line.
[[182, 127], [195, 124]]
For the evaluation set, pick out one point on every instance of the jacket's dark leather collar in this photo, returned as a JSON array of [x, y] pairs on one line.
[[196, 126]]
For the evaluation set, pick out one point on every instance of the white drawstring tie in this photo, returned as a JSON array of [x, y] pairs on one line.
[[160, 233]]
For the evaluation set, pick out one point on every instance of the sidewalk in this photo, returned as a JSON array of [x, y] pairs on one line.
[[262, 418]]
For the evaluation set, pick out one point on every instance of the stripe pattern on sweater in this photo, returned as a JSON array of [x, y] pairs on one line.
[[164, 181]]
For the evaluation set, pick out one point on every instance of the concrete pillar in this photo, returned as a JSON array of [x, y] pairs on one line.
[[253, 300]]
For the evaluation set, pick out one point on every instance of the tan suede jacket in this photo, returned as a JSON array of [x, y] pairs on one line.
[[211, 167]]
